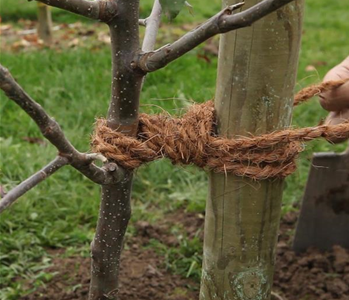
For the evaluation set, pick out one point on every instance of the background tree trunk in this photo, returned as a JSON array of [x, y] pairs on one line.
[[44, 23], [256, 77]]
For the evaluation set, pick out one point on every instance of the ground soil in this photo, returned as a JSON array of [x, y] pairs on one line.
[[312, 275]]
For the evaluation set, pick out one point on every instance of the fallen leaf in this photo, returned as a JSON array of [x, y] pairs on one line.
[[5, 28], [73, 43], [319, 63], [310, 68], [104, 37], [86, 33], [31, 38], [204, 57], [211, 49], [27, 31], [34, 140], [20, 45], [27, 24]]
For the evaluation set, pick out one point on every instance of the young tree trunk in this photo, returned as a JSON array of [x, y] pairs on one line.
[[115, 209], [256, 77], [44, 23]]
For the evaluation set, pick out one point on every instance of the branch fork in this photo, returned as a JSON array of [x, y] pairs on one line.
[[233, 7], [224, 21], [68, 155]]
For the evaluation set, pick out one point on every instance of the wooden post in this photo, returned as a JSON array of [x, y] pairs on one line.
[[256, 77], [44, 23]]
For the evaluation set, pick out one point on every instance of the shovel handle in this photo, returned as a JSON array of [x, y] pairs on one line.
[[346, 152]]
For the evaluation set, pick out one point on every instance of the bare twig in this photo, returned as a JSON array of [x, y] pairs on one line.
[[275, 296], [2, 192], [222, 22], [102, 10], [152, 24], [142, 22], [32, 181], [53, 132]]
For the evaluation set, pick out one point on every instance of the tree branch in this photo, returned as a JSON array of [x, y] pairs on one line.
[[32, 181], [152, 24], [53, 132], [102, 10], [222, 22]]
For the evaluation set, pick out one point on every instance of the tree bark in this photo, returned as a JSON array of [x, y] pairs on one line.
[[152, 24], [101, 10], [115, 209], [44, 23], [256, 77]]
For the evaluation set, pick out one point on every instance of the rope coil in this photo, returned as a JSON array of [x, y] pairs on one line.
[[191, 139]]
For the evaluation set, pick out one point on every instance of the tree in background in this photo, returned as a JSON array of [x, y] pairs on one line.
[[44, 23]]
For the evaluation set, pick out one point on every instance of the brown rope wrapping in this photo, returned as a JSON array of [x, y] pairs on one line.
[[191, 139]]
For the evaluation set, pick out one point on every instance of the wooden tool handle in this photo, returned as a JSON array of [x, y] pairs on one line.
[[346, 152]]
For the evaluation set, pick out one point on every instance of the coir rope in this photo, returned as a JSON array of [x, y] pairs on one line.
[[191, 139]]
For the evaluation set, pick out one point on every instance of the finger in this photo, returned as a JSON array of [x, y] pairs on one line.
[[338, 99], [341, 71], [335, 118]]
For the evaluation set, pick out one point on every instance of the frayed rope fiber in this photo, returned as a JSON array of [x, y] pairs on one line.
[[314, 90], [191, 139]]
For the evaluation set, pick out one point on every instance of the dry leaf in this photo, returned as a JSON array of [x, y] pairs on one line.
[[104, 37], [31, 38], [34, 140], [5, 28], [20, 45], [73, 43], [204, 57], [319, 63], [310, 68]]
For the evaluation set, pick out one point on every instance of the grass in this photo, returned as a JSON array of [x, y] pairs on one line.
[[74, 87]]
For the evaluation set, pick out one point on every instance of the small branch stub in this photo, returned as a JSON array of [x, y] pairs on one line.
[[53, 132]]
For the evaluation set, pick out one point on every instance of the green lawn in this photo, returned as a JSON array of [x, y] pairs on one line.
[[74, 87]]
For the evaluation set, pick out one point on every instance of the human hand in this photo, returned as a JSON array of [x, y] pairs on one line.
[[337, 101]]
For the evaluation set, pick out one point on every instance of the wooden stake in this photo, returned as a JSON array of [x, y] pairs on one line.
[[256, 77]]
